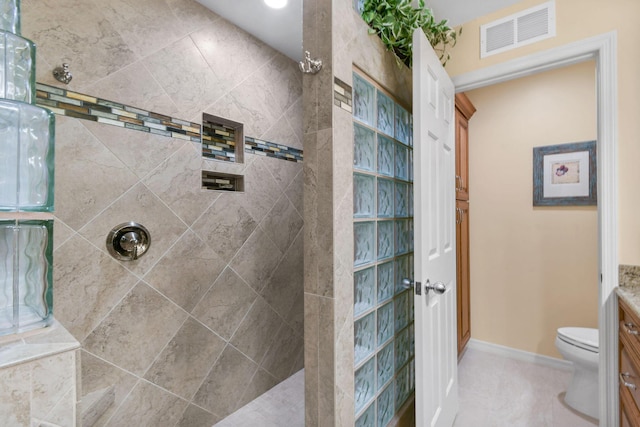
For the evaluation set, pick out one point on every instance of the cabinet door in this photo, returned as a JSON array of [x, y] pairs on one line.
[[462, 270], [462, 156]]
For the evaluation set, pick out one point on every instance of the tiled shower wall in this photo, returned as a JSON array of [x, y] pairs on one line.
[[334, 32], [212, 315]]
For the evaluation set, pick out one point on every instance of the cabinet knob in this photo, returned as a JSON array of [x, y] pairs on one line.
[[631, 328], [623, 380]]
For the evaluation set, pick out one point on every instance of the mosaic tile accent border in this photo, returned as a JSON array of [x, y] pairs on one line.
[[72, 104], [342, 95], [77, 105], [270, 149]]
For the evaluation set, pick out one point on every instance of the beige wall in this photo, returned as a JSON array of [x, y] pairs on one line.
[[533, 269], [212, 315], [576, 20]]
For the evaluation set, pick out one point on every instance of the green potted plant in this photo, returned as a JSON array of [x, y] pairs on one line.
[[395, 20]]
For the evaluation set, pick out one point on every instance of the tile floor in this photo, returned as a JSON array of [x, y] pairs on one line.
[[495, 391]]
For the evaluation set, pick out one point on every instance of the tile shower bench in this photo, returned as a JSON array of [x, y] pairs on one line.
[[39, 378]]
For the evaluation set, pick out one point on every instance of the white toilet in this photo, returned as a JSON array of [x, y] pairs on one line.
[[580, 346]]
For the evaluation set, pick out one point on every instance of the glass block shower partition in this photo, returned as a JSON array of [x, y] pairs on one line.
[[26, 184], [383, 254]]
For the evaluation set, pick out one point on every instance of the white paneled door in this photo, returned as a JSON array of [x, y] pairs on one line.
[[435, 239]]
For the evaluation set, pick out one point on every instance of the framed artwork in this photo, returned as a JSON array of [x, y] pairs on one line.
[[565, 175]]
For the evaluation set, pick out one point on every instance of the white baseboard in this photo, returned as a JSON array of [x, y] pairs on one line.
[[516, 354]]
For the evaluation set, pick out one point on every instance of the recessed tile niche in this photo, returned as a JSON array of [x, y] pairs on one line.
[[222, 140]]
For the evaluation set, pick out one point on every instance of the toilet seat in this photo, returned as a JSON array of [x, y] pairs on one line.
[[584, 338]]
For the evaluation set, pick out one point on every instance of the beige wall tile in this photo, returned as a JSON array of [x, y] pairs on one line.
[[311, 343], [139, 151], [259, 114], [295, 192], [255, 334], [134, 85], [282, 354], [178, 183], [282, 133], [326, 362], [15, 396], [225, 226], [184, 74], [98, 374], [80, 154], [310, 213], [224, 306], [283, 81], [220, 45], [194, 416], [148, 405], [284, 288], [65, 411], [192, 15], [344, 409], [186, 271], [52, 380], [142, 206], [261, 190], [284, 172], [83, 287], [257, 260], [221, 391], [296, 316], [294, 118], [84, 38], [136, 330], [146, 25], [186, 360], [283, 223], [261, 382], [61, 233]]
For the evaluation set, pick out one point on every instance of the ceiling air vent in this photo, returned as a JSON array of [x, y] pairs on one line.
[[519, 29]]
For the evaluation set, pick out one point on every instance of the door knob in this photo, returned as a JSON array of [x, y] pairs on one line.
[[407, 283], [438, 287]]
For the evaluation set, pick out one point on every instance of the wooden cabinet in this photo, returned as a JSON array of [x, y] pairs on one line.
[[629, 366], [462, 276], [464, 111]]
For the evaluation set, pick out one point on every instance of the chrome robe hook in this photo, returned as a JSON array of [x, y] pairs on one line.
[[308, 65]]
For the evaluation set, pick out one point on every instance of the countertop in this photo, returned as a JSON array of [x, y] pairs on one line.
[[629, 289]]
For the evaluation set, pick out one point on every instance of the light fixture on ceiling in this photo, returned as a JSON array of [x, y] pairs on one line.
[[276, 4]]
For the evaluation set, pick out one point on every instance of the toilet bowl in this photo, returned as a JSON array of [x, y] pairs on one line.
[[580, 346]]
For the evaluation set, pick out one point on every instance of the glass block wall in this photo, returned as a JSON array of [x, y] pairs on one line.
[[383, 254]]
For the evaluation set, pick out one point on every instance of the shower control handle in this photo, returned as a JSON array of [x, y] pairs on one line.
[[623, 380], [128, 241]]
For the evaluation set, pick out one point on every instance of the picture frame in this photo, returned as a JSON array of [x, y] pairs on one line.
[[565, 175]]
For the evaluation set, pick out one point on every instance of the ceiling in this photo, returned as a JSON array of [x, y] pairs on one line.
[[282, 28]]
